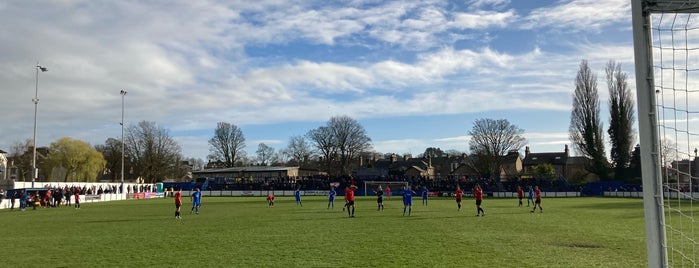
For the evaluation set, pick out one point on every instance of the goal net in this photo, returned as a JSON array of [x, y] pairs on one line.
[[666, 48], [395, 187]]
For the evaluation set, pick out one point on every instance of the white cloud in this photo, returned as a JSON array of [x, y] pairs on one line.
[[579, 15], [483, 19], [187, 65]]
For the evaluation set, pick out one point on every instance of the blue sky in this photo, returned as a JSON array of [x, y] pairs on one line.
[[415, 74]]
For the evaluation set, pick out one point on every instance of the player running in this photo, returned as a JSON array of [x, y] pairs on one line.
[[379, 198], [349, 197], [408, 199], [530, 196], [178, 203], [196, 201], [459, 194], [520, 194], [537, 192], [331, 197], [478, 193]]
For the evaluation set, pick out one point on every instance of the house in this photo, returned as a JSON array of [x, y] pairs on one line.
[[435, 168], [511, 166], [3, 165], [572, 168], [395, 166], [256, 173], [19, 167], [683, 171], [557, 160]]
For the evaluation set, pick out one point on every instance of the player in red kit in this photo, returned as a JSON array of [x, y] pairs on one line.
[[478, 193], [537, 202], [459, 194], [520, 194], [178, 203], [349, 197], [270, 200]]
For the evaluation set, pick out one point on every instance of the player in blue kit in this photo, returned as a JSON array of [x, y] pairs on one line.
[[196, 201], [297, 195], [331, 197], [425, 193], [408, 199]]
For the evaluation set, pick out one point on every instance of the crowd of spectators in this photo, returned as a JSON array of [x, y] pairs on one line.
[[446, 184]]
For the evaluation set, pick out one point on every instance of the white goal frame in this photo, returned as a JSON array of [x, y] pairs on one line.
[[651, 128], [383, 184]]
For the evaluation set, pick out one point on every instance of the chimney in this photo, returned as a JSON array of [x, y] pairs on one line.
[[567, 151], [526, 152]]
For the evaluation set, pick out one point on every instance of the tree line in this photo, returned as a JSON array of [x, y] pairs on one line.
[[152, 155]]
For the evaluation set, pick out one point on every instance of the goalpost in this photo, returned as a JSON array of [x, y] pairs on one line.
[[666, 52], [371, 186]]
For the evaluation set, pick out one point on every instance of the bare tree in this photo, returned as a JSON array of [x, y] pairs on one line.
[[299, 150], [280, 158], [586, 129], [21, 159], [227, 144], [350, 138], [264, 154], [197, 163], [668, 152], [154, 155], [621, 119], [111, 151], [324, 141], [492, 139]]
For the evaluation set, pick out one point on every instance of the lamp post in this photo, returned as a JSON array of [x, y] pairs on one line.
[[35, 171], [123, 93]]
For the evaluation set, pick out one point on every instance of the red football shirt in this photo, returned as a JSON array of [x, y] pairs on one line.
[[178, 198], [459, 194], [478, 192], [520, 193], [349, 194], [537, 192]]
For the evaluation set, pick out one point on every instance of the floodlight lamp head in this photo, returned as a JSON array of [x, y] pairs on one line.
[[123, 92], [42, 68]]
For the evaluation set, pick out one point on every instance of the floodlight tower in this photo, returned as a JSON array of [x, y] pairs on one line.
[[123, 93], [35, 171]]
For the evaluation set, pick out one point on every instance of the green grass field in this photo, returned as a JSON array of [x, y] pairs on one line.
[[244, 232]]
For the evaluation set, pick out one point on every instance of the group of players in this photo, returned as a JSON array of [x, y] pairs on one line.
[[407, 193], [195, 198]]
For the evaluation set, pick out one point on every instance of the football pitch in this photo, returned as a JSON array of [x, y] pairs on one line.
[[245, 232]]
